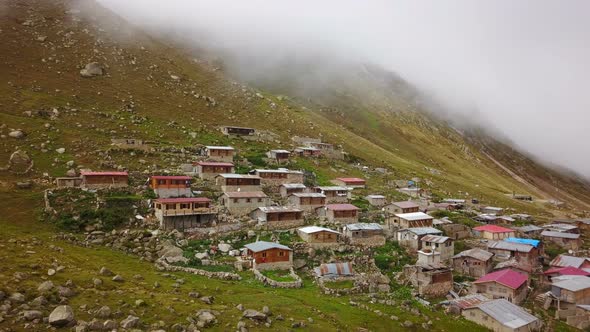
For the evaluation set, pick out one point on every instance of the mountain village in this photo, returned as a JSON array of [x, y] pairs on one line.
[[278, 224]]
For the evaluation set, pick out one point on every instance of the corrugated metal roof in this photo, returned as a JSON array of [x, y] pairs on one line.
[[423, 230], [363, 226], [435, 239], [453, 201], [572, 283], [529, 228], [238, 176], [476, 253], [264, 245], [469, 301], [512, 246], [280, 151], [492, 229], [333, 188], [171, 177], [89, 173], [493, 208], [531, 242], [212, 147], [246, 194], [277, 209], [567, 271], [315, 229], [376, 196], [212, 163], [560, 235], [308, 195], [341, 207], [351, 180], [334, 270], [508, 278], [414, 216], [507, 313], [182, 200], [294, 185], [406, 204], [564, 260]]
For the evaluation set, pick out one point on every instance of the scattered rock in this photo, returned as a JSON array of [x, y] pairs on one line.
[[51, 272], [253, 314], [103, 312], [207, 299], [16, 298], [16, 134], [92, 69], [45, 286], [60, 150], [130, 322], [32, 315], [61, 316], [118, 278], [105, 272]]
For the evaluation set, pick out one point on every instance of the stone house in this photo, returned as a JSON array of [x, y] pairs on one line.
[[350, 182], [529, 231], [429, 276], [279, 156], [166, 186], [184, 213], [364, 234], [241, 203], [232, 182], [442, 244], [277, 177], [409, 220], [504, 284], [473, 262], [306, 151], [339, 213], [220, 153], [237, 131], [402, 207], [570, 291], [315, 235], [208, 170], [278, 217], [564, 240], [287, 189], [492, 210], [493, 232], [410, 237], [334, 194], [307, 202], [525, 254], [564, 261], [376, 200], [104, 180], [502, 316], [454, 231], [269, 256]]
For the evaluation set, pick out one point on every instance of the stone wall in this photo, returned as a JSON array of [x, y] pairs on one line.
[[164, 266], [283, 224], [298, 283], [206, 232], [373, 241], [342, 291], [284, 265]]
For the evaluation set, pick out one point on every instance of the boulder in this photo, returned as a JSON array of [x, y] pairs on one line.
[[32, 314], [109, 325], [103, 312], [61, 316], [118, 278], [129, 322], [16, 134], [224, 247], [45, 286], [16, 298], [92, 69], [105, 272], [205, 318], [253, 314]]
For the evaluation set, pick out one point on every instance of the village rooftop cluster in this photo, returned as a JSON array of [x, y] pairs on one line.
[[505, 265]]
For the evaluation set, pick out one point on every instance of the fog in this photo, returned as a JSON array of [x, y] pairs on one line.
[[521, 68]]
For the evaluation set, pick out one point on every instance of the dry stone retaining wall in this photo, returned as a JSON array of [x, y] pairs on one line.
[[298, 283]]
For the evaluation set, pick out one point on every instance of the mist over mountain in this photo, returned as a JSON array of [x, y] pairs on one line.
[[519, 69]]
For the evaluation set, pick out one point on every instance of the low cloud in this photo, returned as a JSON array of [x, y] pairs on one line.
[[518, 68]]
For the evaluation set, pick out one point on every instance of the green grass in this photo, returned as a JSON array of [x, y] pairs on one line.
[[340, 284], [278, 275]]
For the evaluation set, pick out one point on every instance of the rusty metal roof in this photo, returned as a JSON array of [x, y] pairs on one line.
[[564, 260], [469, 301], [334, 270], [476, 253]]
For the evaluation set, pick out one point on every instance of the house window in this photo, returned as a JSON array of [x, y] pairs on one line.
[[264, 254], [281, 253], [248, 200], [235, 201], [260, 200]]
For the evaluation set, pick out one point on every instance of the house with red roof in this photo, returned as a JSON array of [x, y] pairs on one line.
[[339, 213], [241, 203], [104, 180], [350, 182], [208, 170], [493, 232], [564, 271], [184, 213], [504, 284], [166, 186]]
